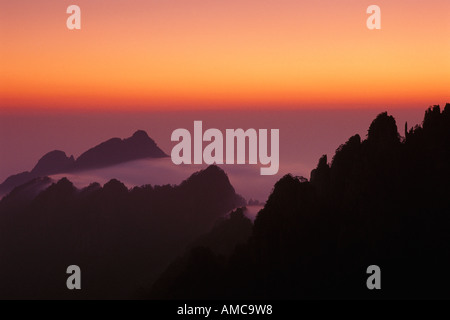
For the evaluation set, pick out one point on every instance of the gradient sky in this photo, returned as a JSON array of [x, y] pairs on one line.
[[166, 54]]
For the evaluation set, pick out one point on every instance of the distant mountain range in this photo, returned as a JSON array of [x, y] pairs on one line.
[[111, 152]]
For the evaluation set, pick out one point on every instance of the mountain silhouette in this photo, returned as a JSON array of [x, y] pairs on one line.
[[119, 237], [115, 151], [108, 153], [216, 245], [53, 162], [383, 200], [21, 195]]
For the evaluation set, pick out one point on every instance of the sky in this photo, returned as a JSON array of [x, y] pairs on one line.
[[246, 54]]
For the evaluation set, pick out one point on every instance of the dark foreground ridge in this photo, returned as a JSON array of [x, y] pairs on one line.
[[108, 153], [381, 201]]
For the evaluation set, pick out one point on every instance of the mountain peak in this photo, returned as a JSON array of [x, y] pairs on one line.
[[214, 182], [140, 134], [53, 162], [212, 172], [115, 151]]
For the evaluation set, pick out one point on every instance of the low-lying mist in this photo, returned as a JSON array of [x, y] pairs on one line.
[[246, 179]]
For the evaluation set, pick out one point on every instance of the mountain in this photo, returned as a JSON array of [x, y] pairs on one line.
[[383, 200], [119, 237], [26, 192], [52, 163], [217, 245], [115, 151], [111, 152]]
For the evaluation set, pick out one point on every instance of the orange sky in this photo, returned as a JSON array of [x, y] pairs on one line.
[[139, 54]]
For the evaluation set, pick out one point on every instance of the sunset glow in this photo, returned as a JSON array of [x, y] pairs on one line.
[[219, 54]]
